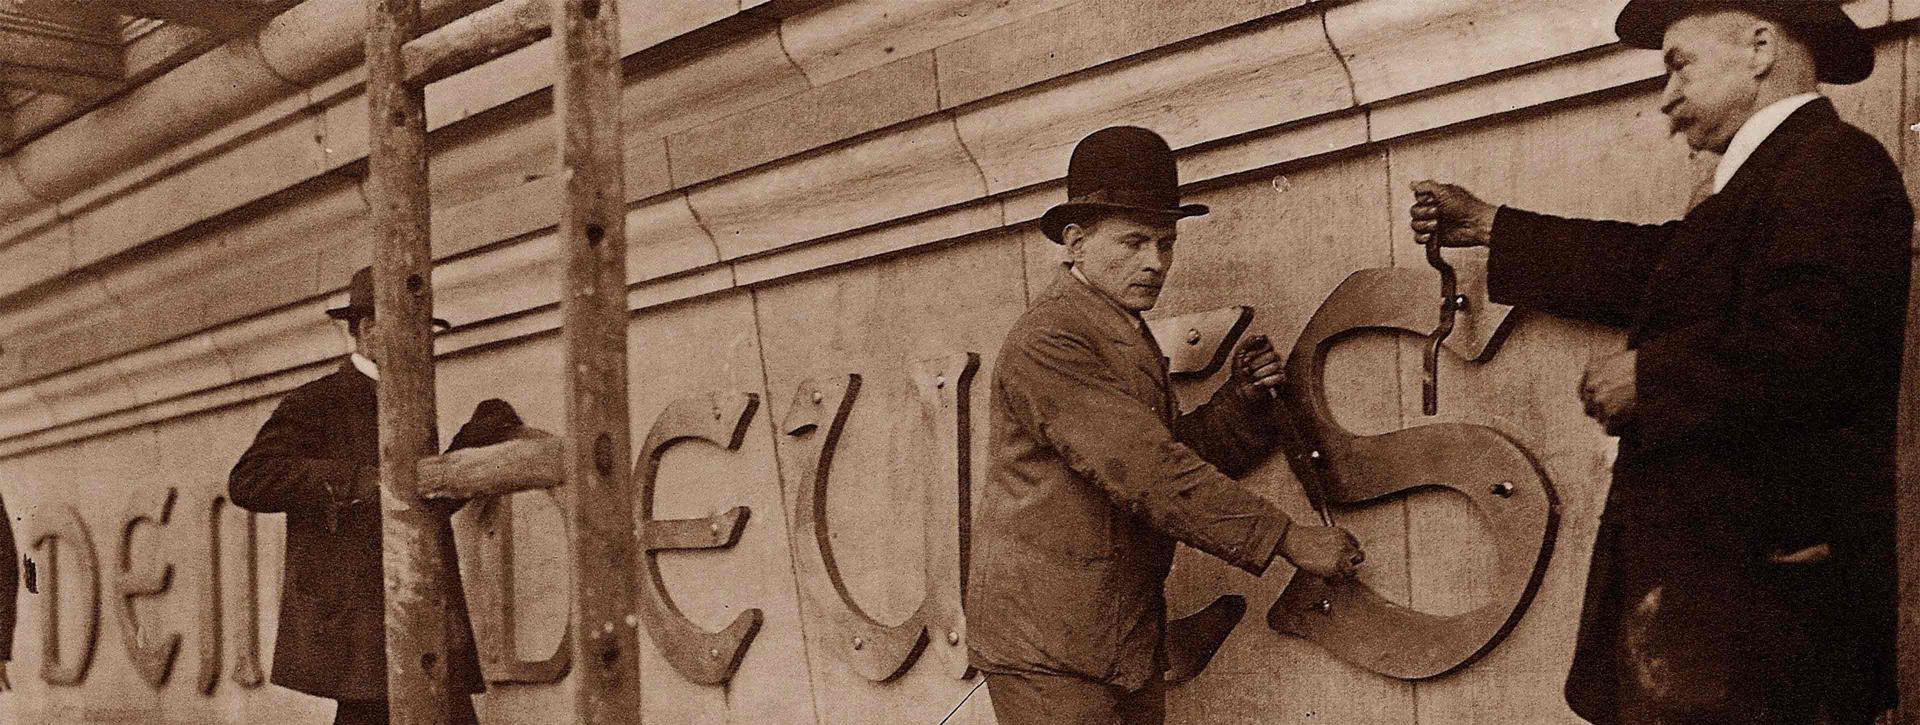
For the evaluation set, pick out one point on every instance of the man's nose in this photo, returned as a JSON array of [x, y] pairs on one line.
[[1153, 262], [1671, 97]]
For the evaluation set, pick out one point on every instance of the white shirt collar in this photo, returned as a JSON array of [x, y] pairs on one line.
[[1077, 274], [365, 366], [1756, 130]]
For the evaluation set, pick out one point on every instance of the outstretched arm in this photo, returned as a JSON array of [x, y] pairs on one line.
[[1058, 388], [1579, 268], [1588, 270]]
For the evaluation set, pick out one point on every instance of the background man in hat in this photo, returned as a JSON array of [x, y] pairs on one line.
[[1095, 474], [1744, 567], [317, 460]]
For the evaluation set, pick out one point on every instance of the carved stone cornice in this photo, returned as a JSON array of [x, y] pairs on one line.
[[221, 16], [58, 48], [59, 21]]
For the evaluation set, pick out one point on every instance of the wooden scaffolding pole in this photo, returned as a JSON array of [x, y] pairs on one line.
[[489, 33], [594, 318], [592, 458], [416, 542]]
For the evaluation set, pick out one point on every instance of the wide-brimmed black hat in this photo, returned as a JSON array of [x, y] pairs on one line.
[[1841, 52], [360, 300], [1123, 168]]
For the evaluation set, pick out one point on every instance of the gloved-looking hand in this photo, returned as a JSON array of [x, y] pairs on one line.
[[1328, 552], [1257, 369], [493, 421]]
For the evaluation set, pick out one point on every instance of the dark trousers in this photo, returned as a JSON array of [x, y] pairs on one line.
[[1036, 699], [374, 712], [360, 712]]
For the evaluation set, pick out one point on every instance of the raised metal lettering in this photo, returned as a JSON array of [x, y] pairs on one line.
[[708, 658], [879, 651], [70, 534]]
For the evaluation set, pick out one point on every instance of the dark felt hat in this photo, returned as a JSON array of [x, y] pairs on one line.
[[360, 300], [1121, 168], [1841, 52]]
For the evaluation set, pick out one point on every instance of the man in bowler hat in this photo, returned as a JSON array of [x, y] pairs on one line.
[[1744, 569], [317, 460], [1095, 474]]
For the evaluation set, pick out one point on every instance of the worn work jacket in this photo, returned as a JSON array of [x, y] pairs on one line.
[[1094, 477], [1768, 324], [304, 462]]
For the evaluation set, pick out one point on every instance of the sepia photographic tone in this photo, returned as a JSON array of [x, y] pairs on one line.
[[971, 362]]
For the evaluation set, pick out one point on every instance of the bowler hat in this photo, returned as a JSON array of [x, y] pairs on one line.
[[360, 300], [1841, 51], [1121, 168]]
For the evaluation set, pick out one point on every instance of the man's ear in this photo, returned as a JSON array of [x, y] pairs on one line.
[[1074, 238], [1763, 41]]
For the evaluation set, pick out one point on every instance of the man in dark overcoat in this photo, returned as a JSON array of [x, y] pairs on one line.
[[1095, 474], [1744, 566], [317, 460]]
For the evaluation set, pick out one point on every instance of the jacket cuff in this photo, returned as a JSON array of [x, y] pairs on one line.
[[1255, 410], [1280, 542], [365, 487], [1268, 535], [1673, 397]]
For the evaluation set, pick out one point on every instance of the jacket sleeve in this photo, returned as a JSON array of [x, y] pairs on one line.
[[1059, 390], [283, 470], [1583, 269], [1816, 332], [9, 584], [1232, 431]]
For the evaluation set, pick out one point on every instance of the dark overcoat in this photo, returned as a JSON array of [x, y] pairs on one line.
[[1094, 476], [1768, 324], [314, 460]]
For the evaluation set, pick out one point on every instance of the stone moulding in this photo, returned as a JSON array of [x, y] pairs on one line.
[[724, 233]]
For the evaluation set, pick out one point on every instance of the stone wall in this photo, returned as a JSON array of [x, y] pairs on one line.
[[818, 188]]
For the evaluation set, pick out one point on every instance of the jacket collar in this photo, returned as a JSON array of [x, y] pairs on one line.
[[350, 378], [1811, 116], [1118, 322], [1755, 131]]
